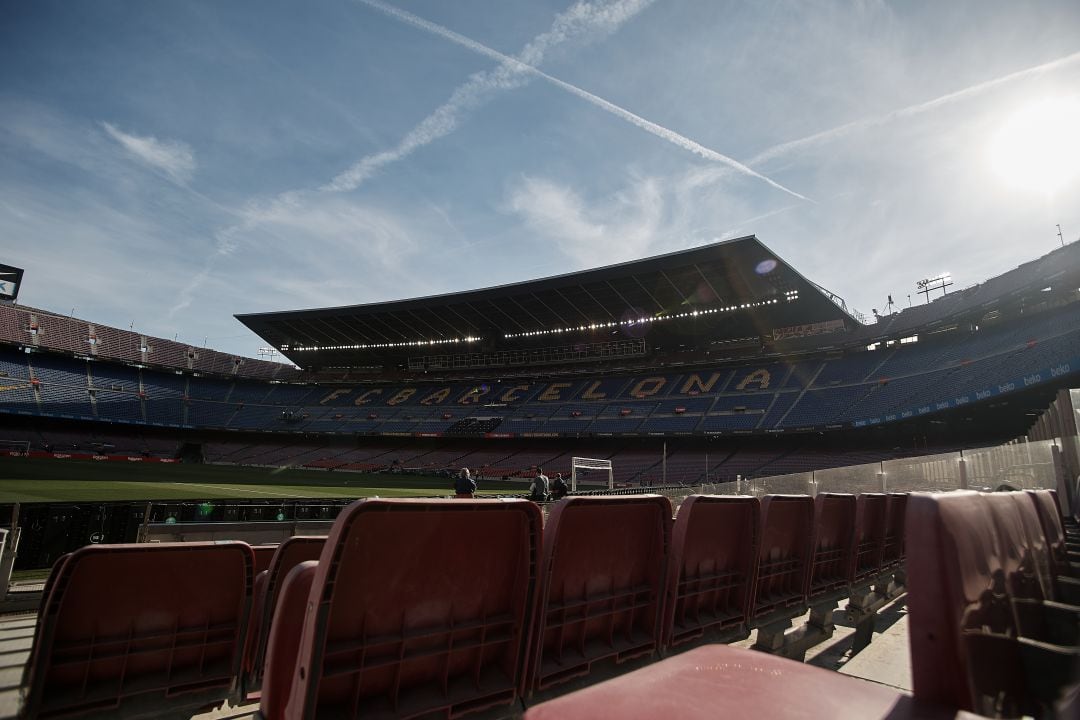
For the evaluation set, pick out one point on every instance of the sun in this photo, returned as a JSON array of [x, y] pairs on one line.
[[1037, 148]]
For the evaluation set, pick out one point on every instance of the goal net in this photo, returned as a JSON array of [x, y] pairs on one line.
[[9, 446], [591, 471]]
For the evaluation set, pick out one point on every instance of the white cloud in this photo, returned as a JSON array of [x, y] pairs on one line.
[[621, 227], [174, 158]]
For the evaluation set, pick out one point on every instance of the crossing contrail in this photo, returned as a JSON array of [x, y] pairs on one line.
[[620, 112], [581, 21]]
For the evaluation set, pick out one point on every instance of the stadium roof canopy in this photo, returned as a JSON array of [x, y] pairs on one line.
[[721, 291]]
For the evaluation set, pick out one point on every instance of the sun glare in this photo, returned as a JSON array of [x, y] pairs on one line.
[[1038, 147]]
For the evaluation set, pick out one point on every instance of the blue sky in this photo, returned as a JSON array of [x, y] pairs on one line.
[[165, 165]]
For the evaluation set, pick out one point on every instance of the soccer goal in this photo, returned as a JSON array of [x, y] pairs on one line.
[[9, 446], [590, 469]]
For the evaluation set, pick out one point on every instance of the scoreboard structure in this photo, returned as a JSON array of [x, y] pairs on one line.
[[10, 280]]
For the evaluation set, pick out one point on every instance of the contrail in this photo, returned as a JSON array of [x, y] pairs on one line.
[[523, 67], [580, 19], [910, 111], [583, 19]]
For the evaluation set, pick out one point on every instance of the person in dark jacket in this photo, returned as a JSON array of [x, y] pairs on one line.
[[465, 486], [559, 488]]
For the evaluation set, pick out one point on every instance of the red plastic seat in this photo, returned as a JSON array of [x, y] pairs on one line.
[[263, 555], [892, 552], [783, 558], [416, 606], [965, 572], [870, 530], [603, 583], [284, 639], [710, 573], [141, 628], [720, 681], [50, 581], [834, 543], [1051, 524], [289, 554], [1042, 561]]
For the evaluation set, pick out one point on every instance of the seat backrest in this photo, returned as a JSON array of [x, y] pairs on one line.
[[834, 543], [783, 559], [1022, 577], [710, 572], [264, 554], [961, 628], [50, 581], [284, 639], [1057, 505], [1035, 538], [288, 555], [1051, 525], [870, 529], [418, 606], [604, 569], [892, 552], [130, 628], [251, 634]]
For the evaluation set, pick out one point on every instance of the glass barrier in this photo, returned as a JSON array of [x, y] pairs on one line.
[[1018, 466], [850, 479], [924, 473], [793, 484]]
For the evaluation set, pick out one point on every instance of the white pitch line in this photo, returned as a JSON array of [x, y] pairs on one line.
[[230, 488]]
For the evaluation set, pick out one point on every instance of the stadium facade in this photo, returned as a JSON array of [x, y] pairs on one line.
[[725, 339]]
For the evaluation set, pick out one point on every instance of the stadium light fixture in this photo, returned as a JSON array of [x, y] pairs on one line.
[[789, 296], [380, 346]]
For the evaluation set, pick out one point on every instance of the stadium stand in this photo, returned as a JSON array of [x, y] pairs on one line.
[[449, 607], [914, 378]]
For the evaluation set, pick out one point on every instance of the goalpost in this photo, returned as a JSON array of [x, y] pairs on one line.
[[20, 446], [585, 466]]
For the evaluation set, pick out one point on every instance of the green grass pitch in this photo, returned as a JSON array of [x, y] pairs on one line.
[[46, 480]]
